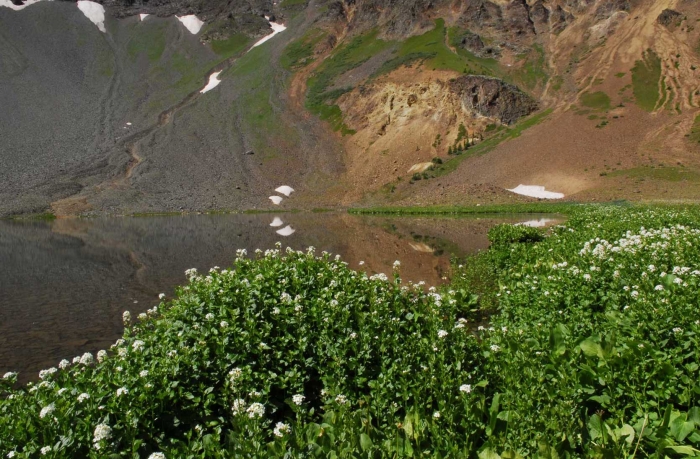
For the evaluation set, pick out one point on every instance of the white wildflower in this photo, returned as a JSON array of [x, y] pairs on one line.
[[436, 415], [122, 391], [87, 359], [238, 406], [156, 456], [495, 347], [43, 374], [223, 324], [442, 333], [126, 317], [466, 388], [161, 296], [138, 345], [45, 450], [102, 432], [82, 397], [298, 399], [256, 410], [341, 399], [143, 373], [47, 410], [659, 287], [63, 364], [101, 355], [281, 428], [209, 316], [397, 263], [677, 330]]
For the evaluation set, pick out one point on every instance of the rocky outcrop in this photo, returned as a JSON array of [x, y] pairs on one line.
[[224, 16], [482, 13], [492, 98], [608, 8], [517, 19], [669, 18]]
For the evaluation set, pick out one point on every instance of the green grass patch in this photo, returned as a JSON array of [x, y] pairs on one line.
[[429, 48], [475, 65], [646, 74], [528, 208], [533, 71], [232, 46], [620, 74], [597, 100], [300, 52], [695, 131], [319, 98], [290, 3], [149, 39], [668, 174]]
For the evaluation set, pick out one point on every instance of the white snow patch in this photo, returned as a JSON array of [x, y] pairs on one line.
[[535, 191], [277, 222], [276, 200], [192, 22], [537, 223], [420, 167], [286, 231], [143, 16], [285, 190], [94, 12], [213, 82], [276, 28], [12, 6], [128, 124]]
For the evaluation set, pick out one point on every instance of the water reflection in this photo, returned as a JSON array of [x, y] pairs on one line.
[[65, 284]]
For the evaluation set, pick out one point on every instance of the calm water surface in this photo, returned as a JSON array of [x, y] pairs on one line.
[[64, 284]]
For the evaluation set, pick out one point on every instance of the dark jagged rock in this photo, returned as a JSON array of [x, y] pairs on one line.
[[225, 17], [517, 19], [482, 13], [559, 19], [493, 97], [472, 42], [669, 18], [539, 15]]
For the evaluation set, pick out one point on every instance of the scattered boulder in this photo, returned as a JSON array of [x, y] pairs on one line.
[[472, 42], [669, 18], [493, 98]]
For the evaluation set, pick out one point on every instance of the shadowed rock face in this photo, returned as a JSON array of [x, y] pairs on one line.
[[493, 98]]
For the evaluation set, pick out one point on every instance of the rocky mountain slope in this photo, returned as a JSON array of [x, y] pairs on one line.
[[357, 102]]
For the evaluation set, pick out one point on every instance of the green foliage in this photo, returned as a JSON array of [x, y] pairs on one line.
[[594, 353], [533, 71], [695, 131], [504, 234], [597, 100], [430, 48], [596, 340], [232, 46], [319, 99], [646, 74], [300, 52], [669, 174], [530, 208], [149, 39], [288, 353]]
